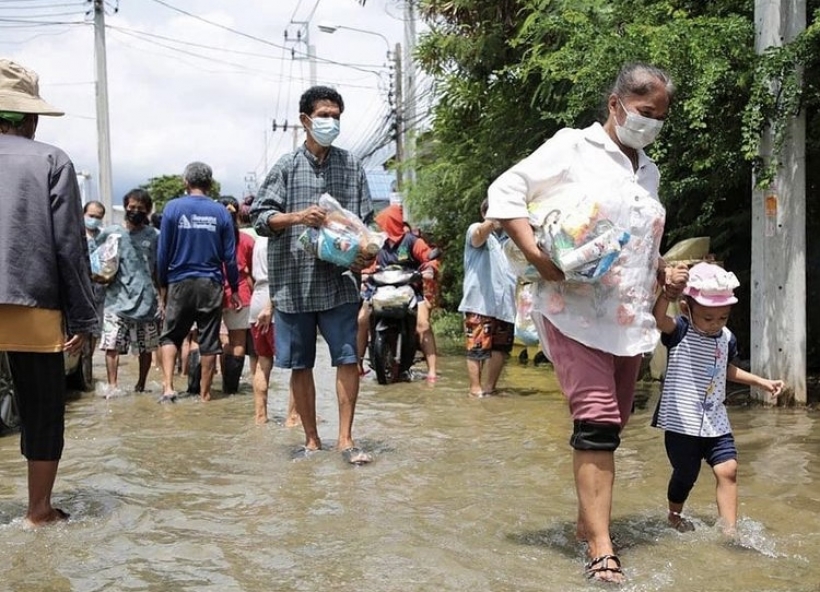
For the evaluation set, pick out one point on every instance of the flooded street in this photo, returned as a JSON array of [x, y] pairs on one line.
[[462, 495]]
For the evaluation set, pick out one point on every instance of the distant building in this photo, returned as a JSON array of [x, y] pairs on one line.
[[382, 188]]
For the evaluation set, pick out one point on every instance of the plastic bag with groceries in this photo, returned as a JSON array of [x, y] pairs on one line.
[[577, 235], [341, 237]]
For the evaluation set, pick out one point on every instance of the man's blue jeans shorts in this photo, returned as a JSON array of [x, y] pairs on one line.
[[296, 336]]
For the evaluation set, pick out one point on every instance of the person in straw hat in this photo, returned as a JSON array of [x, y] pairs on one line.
[[46, 300]]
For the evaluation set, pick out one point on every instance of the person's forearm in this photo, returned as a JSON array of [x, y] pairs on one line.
[[735, 374], [285, 220], [521, 233], [481, 233]]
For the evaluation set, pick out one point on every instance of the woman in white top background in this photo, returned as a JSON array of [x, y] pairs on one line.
[[596, 333]]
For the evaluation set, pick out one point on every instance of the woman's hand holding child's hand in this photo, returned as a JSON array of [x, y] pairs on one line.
[[675, 279]]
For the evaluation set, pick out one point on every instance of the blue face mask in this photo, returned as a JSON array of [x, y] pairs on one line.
[[93, 223], [324, 130]]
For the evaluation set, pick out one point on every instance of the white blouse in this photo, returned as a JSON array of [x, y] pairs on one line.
[[585, 166]]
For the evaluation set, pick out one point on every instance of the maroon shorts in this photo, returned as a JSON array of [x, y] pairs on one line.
[[600, 386], [263, 340]]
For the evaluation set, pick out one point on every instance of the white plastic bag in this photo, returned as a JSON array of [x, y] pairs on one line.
[[105, 260], [341, 237]]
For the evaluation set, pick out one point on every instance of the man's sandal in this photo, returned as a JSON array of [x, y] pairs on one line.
[[599, 565]]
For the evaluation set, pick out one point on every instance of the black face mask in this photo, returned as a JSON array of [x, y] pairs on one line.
[[136, 218]]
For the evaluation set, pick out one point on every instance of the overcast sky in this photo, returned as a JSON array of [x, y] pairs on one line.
[[181, 89]]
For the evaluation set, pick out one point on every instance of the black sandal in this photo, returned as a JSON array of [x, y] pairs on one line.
[[599, 564]]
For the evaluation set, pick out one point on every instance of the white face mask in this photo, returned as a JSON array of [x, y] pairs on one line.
[[324, 130], [637, 131]]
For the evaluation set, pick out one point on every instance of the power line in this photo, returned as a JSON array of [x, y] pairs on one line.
[[255, 38]]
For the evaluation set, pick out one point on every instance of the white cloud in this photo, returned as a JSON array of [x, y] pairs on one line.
[[173, 100]]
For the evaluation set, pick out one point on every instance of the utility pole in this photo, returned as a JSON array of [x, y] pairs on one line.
[[399, 119], [103, 128], [410, 122], [778, 306], [303, 38]]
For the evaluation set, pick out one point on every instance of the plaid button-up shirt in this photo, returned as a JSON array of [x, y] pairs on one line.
[[299, 282]]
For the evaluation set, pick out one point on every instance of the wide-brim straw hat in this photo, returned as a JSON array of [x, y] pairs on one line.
[[20, 92]]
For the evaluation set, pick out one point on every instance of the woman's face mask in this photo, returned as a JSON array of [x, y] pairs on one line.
[[637, 131], [324, 130]]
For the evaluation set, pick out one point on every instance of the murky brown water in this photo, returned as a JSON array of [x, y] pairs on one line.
[[463, 495]]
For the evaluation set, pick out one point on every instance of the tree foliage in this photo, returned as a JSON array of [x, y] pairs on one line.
[[166, 187], [511, 73]]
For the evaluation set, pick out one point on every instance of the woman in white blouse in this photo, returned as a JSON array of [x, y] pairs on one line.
[[596, 332]]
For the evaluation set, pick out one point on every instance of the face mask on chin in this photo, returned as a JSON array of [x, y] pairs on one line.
[[324, 130], [637, 131]]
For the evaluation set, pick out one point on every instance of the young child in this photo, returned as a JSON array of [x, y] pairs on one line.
[[691, 408]]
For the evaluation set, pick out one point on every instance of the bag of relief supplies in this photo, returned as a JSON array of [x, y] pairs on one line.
[[579, 238], [525, 331], [105, 260], [341, 237]]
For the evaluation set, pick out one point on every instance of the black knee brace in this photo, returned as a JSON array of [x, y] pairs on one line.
[[595, 436]]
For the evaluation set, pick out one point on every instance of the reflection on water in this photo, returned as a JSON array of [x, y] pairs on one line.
[[463, 495]]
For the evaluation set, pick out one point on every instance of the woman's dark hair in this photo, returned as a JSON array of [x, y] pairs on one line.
[[641, 79], [139, 196], [314, 94], [232, 205]]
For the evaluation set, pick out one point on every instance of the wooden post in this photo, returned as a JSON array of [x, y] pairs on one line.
[[778, 290]]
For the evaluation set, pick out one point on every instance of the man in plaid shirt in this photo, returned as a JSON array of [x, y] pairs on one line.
[[306, 292]]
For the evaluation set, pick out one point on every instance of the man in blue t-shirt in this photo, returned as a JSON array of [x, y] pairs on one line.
[[196, 240]]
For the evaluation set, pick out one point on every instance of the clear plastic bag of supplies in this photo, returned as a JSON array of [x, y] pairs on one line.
[[525, 331], [577, 235], [341, 237], [105, 260]]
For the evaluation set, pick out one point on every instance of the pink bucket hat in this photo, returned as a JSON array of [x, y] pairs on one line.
[[711, 285]]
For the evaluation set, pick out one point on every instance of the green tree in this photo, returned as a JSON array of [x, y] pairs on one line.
[[165, 188], [511, 73]]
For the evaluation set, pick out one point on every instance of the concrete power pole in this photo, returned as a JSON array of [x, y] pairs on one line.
[[778, 307], [399, 119], [410, 88], [103, 128]]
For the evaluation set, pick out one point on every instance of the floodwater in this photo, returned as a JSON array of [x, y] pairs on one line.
[[463, 495]]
